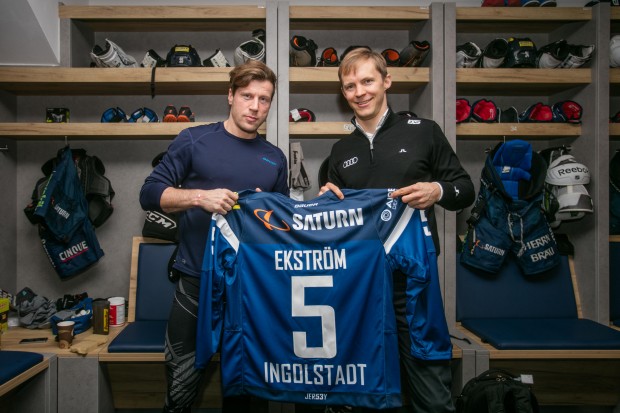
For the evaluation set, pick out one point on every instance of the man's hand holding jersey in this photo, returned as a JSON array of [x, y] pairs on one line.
[[421, 195]]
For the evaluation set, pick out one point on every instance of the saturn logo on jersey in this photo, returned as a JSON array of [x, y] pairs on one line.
[[265, 217]]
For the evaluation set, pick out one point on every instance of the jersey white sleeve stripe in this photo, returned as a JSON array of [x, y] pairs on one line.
[[226, 231], [398, 229]]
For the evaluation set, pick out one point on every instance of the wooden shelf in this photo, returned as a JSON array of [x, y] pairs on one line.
[[96, 131], [166, 18], [615, 20], [614, 130], [113, 81], [519, 82], [466, 131], [512, 19], [325, 79], [320, 130], [357, 18]]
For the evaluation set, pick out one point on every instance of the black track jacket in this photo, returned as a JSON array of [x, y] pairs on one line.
[[404, 151]]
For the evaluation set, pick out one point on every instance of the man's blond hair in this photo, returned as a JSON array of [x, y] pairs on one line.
[[359, 55]]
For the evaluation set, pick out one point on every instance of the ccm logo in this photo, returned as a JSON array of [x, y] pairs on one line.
[[350, 162]]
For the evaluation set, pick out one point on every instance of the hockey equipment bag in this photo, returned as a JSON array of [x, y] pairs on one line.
[[111, 56], [62, 207], [494, 54], [66, 233], [507, 216], [81, 314], [496, 391], [467, 55], [414, 53], [302, 52], [182, 56], [96, 187], [253, 49], [521, 53]]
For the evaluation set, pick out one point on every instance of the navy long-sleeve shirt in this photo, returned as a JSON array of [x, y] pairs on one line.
[[208, 157]]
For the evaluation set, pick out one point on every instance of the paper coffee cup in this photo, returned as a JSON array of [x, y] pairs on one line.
[[65, 333], [117, 311]]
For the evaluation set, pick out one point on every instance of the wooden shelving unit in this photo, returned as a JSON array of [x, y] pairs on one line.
[[530, 130], [114, 81], [325, 79], [165, 18]]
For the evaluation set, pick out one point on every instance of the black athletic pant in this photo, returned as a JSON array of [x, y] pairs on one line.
[[427, 383], [183, 379]]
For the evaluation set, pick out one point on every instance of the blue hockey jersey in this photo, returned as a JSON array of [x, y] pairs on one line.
[[297, 296]]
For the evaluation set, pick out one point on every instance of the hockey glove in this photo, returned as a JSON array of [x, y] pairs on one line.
[[463, 110], [567, 111], [484, 110], [392, 57]]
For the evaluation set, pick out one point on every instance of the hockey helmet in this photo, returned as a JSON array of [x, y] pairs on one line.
[[566, 197], [521, 53], [182, 56]]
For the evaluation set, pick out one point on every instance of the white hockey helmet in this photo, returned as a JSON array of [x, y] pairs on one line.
[[566, 197]]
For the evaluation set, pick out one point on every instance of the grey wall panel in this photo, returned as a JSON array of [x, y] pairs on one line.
[[127, 165]]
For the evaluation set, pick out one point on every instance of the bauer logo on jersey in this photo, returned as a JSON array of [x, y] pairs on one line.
[[324, 220]]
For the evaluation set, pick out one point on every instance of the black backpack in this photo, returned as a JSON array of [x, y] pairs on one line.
[[496, 391]]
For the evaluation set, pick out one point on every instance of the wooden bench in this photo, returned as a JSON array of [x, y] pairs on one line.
[[134, 358], [533, 325]]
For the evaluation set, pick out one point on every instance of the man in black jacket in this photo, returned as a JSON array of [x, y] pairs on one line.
[[387, 150]]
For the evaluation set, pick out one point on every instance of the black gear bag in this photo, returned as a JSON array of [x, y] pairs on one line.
[[496, 391]]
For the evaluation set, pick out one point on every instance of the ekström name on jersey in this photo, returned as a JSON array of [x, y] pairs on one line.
[[338, 218], [310, 260], [316, 374]]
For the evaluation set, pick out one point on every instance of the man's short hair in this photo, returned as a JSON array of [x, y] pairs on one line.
[[358, 55], [242, 75]]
